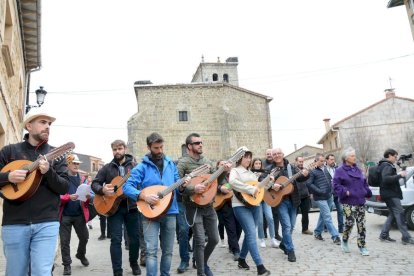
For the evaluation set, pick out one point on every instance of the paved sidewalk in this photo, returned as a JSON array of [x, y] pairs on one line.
[[313, 257]]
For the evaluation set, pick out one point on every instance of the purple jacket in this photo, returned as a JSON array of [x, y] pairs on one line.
[[347, 178]]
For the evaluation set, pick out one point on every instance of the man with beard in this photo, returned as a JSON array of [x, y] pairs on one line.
[[30, 227], [155, 169], [203, 220], [127, 212]]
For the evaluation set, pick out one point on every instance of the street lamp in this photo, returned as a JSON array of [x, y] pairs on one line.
[[40, 98]]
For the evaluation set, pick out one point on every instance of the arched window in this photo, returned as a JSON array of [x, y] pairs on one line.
[[225, 78], [215, 77]]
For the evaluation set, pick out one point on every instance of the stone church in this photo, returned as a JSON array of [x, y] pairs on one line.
[[225, 115]]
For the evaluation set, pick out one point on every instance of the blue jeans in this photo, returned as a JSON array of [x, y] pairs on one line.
[[33, 245], [163, 229], [183, 234], [287, 216], [115, 224], [325, 218], [248, 219], [267, 210]]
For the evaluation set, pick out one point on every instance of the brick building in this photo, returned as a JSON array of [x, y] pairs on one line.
[[213, 105]]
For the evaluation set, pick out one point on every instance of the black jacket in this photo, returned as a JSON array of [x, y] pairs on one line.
[[319, 185], [108, 173], [390, 185], [43, 206]]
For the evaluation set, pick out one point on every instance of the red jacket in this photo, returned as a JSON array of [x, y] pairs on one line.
[[65, 199]]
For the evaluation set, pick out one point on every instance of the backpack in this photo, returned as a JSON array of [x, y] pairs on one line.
[[374, 176]]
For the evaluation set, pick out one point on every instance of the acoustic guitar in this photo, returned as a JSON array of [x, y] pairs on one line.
[[108, 205], [24, 190], [165, 194], [210, 181], [254, 200], [221, 199], [274, 198]]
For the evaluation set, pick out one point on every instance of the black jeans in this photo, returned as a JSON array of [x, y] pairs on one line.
[[65, 230], [233, 228], [276, 220], [115, 222], [305, 204], [102, 222]]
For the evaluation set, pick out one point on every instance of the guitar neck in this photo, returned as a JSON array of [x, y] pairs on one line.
[[172, 187]]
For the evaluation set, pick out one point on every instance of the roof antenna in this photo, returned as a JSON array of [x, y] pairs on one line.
[[390, 80]]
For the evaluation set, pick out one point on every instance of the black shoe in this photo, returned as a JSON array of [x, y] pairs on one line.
[[283, 248], [135, 269], [337, 241], [117, 273], [386, 239], [183, 267], [319, 237], [261, 270], [142, 260], [291, 256], [83, 259], [279, 238], [101, 237], [408, 241], [109, 236], [67, 270], [242, 264]]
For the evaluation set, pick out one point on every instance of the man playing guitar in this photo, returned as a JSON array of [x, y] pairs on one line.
[[32, 225], [127, 212], [203, 220], [155, 169]]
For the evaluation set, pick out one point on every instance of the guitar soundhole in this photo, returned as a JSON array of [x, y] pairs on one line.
[[115, 188]]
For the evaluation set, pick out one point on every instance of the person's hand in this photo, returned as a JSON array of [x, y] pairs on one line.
[[151, 199], [17, 176], [186, 181], [403, 173], [43, 165], [305, 172], [73, 197], [276, 187], [224, 189], [199, 188], [108, 189]]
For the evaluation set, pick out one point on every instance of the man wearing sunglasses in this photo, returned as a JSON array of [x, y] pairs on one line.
[[203, 220]]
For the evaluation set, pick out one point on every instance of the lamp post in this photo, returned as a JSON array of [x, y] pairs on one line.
[[40, 98]]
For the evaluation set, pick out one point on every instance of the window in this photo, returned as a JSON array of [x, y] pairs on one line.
[[225, 78], [215, 77], [182, 116]]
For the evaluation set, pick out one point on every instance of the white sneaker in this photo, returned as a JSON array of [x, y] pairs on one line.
[[262, 243], [275, 243], [223, 244]]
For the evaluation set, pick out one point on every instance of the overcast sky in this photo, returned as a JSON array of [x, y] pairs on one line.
[[317, 59]]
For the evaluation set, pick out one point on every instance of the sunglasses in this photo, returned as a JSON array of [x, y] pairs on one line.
[[197, 143]]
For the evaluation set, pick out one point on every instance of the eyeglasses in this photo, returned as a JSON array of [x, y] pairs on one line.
[[197, 143]]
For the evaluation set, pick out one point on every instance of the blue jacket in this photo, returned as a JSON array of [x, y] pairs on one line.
[[147, 174], [350, 179], [319, 185]]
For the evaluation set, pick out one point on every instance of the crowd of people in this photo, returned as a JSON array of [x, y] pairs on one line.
[[31, 227]]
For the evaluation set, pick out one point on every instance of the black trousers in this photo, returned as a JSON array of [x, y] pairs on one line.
[[276, 220], [232, 226], [102, 222], [305, 204], [65, 230]]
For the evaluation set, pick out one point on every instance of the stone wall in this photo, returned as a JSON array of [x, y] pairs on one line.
[[225, 116], [386, 125]]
